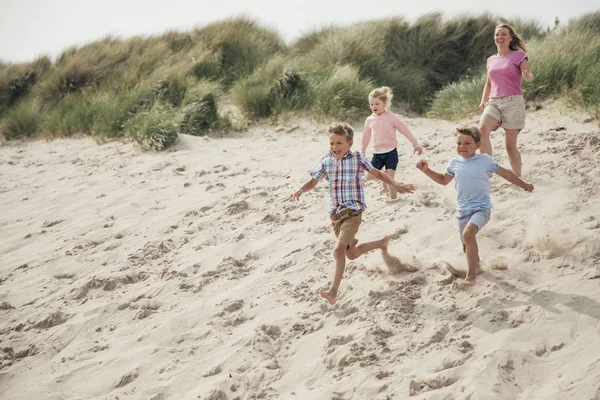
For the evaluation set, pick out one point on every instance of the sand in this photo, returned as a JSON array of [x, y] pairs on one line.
[[185, 275]]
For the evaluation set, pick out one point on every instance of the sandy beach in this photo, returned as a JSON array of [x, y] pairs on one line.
[[185, 275]]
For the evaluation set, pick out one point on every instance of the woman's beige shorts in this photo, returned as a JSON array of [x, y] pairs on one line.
[[509, 111]]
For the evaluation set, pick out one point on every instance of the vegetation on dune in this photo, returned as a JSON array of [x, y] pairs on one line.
[[148, 89]]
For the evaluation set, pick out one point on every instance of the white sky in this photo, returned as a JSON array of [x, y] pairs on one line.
[[29, 28]]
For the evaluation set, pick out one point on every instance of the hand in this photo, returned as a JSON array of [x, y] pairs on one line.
[[404, 188], [528, 187], [527, 75], [422, 165], [418, 150], [482, 104], [296, 195]]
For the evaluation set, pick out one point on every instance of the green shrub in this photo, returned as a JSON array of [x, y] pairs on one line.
[[153, 129], [170, 90], [240, 45], [342, 95], [208, 68], [200, 116], [16, 81], [23, 120], [270, 89], [458, 99], [74, 113]]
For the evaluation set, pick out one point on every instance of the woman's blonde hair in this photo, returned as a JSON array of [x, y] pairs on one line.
[[468, 130], [516, 41], [384, 94]]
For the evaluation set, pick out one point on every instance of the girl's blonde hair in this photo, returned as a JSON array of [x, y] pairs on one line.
[[469, 130], [516, 41], [384, 94]]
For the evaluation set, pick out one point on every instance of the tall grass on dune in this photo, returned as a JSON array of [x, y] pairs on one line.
[[154, 129], [342, 94], [567, 63], [16, 81], [433, 65], [239, 46], [200, 113], [273, 88], [458, 99], [22, 120]]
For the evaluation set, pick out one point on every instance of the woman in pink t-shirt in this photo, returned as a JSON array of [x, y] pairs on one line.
[[381, 127], [502, 100]]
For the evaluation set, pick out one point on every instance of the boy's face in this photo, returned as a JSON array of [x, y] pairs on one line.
[[466, 146], [377, 106], [339, 145]]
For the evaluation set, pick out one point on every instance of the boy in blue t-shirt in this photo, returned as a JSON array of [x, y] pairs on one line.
[[473, 190]]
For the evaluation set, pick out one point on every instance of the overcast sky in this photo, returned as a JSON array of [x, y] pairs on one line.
[[29, 28]]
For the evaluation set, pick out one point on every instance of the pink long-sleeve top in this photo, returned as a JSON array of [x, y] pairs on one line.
[[383, 130]]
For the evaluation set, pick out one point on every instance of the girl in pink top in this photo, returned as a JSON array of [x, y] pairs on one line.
[[502, 98], [381, 126]]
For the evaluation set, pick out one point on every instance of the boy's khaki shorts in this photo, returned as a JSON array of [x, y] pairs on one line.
[[345, 224], [509, 111]]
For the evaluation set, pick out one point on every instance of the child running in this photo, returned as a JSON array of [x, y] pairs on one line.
[[382, 126], [472, 184], [343, 168]]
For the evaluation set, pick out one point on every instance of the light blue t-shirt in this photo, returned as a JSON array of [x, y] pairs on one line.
[[471, 180]]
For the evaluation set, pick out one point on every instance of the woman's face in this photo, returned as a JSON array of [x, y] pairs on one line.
[[502, 37]]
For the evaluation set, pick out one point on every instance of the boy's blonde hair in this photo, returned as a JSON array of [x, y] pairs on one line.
[[516, 41], [384, 94], [341, 128], [472, 131]]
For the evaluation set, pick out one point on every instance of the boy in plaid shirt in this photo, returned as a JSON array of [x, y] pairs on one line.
[[342, 168]]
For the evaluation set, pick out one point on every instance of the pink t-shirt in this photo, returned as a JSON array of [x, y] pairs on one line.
[[505, 74], [383, 130]]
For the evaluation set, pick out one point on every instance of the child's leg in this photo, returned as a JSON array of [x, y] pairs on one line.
[[339, 258], [472, 251], [356, 251], [392, 190]]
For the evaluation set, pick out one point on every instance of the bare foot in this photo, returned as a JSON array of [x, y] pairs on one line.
[[461, 273], [384, 244], [328, 296], [394, 200], [468, 282]]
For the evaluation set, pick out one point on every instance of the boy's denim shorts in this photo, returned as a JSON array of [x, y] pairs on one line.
[[478, 217], [388, 160]]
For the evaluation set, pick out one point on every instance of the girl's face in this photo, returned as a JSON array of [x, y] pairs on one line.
[[466, 146], [502, 37], [377, 105]]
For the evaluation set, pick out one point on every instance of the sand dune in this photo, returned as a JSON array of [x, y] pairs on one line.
[[185, 275]]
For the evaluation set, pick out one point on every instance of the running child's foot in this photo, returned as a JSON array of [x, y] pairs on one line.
[[330, 297], [384, 244], [392, 200], [468, 282]]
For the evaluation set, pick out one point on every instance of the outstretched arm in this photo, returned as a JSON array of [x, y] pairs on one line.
[[442, 179], [486, 93], [304, 188], [400, 187], [515, 180]]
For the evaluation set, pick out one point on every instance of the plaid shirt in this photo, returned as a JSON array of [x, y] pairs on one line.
[[345, 181]]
